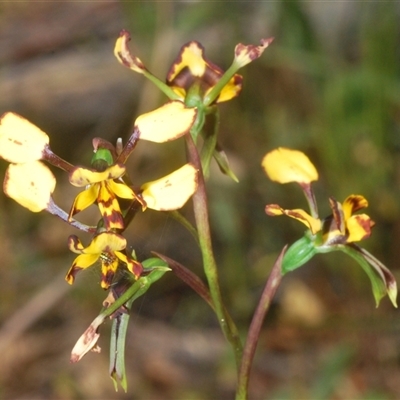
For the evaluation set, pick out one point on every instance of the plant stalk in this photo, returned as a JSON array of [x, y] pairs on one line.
[[200, 206], [253, 335]]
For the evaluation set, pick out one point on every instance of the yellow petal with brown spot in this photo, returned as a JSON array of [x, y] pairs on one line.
[[20, 140], [30, 184], [172, 191], [312, 223]]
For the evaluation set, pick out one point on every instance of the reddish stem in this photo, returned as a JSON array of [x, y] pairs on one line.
[[253, 335]]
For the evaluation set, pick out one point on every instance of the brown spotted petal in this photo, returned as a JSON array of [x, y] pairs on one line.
[[353, 203], [81, 176], [348, 228], [359, 227], [109, 208], [338, 215], [30, 184], [103, 247], [20, 140], [314, 224], [192, 67], [245, 54], [87, 342], [124, 56]]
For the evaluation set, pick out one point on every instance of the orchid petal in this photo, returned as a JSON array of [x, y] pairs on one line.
[[20, 140], [191, 66], [84, 199], [354, 203], [81, 262], [121, 51], [107, 242], [75, 244], [133, 266], [87, 341], [85, 176], [172, 191], [108, 268], [246, 54], [30, 184], [338, 217], [169, 122], [359, 227], [312, 223], [121, 190], [109, 209], [285, 165]]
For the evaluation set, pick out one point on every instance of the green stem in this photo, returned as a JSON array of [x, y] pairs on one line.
[[184, 222], [269, 291], [210, 268], [162, 86]]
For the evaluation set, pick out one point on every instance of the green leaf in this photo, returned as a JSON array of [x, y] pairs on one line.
[[379, 289], [298, 254]]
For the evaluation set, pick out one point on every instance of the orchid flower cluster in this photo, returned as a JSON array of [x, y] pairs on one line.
[[194, 87]]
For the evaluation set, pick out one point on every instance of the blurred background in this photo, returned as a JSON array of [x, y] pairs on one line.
[[329, 85]]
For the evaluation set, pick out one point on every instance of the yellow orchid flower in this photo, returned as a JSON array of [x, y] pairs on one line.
[[344, 227], [103, 189], [191, 69], [339, 231], [286, 165], [107, 247], [165, 194]]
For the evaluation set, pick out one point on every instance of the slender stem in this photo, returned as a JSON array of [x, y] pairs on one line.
[[54, 209], [57, 161], [168, 91], [129, 147], [310, 196], [268, 293], [184, 222], [200, 206]]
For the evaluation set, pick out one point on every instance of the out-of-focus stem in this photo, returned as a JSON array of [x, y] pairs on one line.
[[268, 293], [200, 206]]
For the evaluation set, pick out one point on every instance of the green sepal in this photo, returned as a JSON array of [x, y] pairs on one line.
[[155, 264], [223, 163], [156, 268], [379, 289], [117, 348], [102, 159], [298, 254], [168, 91], [198, 123], [225, 78], [209, 134]]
